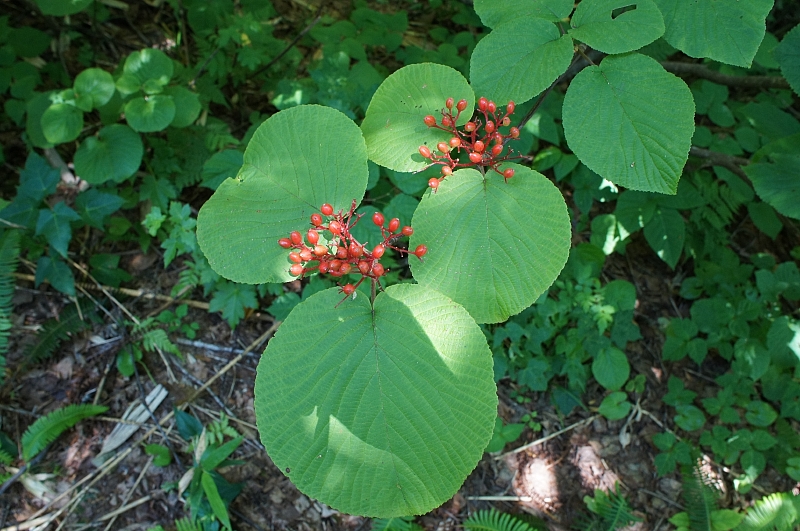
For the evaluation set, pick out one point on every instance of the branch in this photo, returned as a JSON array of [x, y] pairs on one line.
[[728, 162], [702, 71]]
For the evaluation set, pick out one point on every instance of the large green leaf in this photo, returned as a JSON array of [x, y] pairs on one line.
[[495, 12], [187, 106], [787, 53], [519, 59], [595, 24], [113, 155], [150, 114], [95, 86], [631, 122], [393, 126], [493, 246], [666, 233], [62, 122], [380, 411], [778, 183], [729, 31], [297, 160], [149, 64], [62, 8]]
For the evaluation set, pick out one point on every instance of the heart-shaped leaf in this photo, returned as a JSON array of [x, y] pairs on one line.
[[377, 410], [113, 155], [595, 23]]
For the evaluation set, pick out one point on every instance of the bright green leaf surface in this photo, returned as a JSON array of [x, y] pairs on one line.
[[666, 233], [493, 246], [54, 225], [393, 126], [150, 114], [519, 59], [60, 8], [297, 160], [148, 64], [778, 183], [96, 84], [221, 166], [594, 24], [214, 499], [379, 411], [615, 406], [113, 155], [187, 106], [631, 122], [787, 53], [728, 31], [611, 368], [61, 123], [495, 12]]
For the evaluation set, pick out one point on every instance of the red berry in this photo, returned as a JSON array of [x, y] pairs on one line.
[[348, 289], [296, 237], [323, 267], [364, 267], [345, 268], [446, 121], [475, 157], [447, 171], [508, 173], [434, 183], [335, 265], [378, 251], [296, 270], [312, 236], [305, 255], [425, 152], [479, 146], [377, 219], [455, 142], [497, 149], [316, 220], [356, 250], [320, 250], [469, 127], [513, 132], [420, 251], [510, 107], [285, 243], [429, 120], [394, 224], [341, 253], [326, 209], [461, 105], [506, 121], [483, 103], [295, 257], [491, 107], [444, 148], [407, 231], [490, 127], [335, 227], [377, 269], [449, 103]]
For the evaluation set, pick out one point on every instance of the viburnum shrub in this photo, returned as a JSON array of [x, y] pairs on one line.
[[480, 140]]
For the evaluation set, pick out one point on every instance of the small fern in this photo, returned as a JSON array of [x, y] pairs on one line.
[[54, 331], [46, 429], [402, 523], [494, 520], [185, 524], [776, 512], [699, 497], [610, 510], [9, 253]]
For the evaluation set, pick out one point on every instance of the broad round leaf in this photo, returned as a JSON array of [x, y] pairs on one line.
[[62, 122], [61, 8], [377, 411], [150, 114], [495, 12], [493, 246], [594, 24], [393, 126], [611, 368], [728, 31], [778, 183], [519, 59], [297, 160], [187, 106], [95, 83], [630, 121], [113, 155], [666, 233], [787, 53], [147, 64]]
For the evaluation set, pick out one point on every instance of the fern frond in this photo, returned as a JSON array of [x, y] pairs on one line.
[[46, 429], [402, 523], [9, 253], [699, 497], [494, 520], [5, 458], [776, 512], [611, 511], [54, 331], [184, 524]]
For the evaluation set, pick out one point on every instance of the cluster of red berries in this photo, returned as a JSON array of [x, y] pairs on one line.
[[339, 253], [476, 138]]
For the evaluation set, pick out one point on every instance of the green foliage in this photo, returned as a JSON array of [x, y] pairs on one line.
[[400, 523], [776, 512], [494, 520], [609, 511], [9, 254], [47, 429], [70, 320]]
